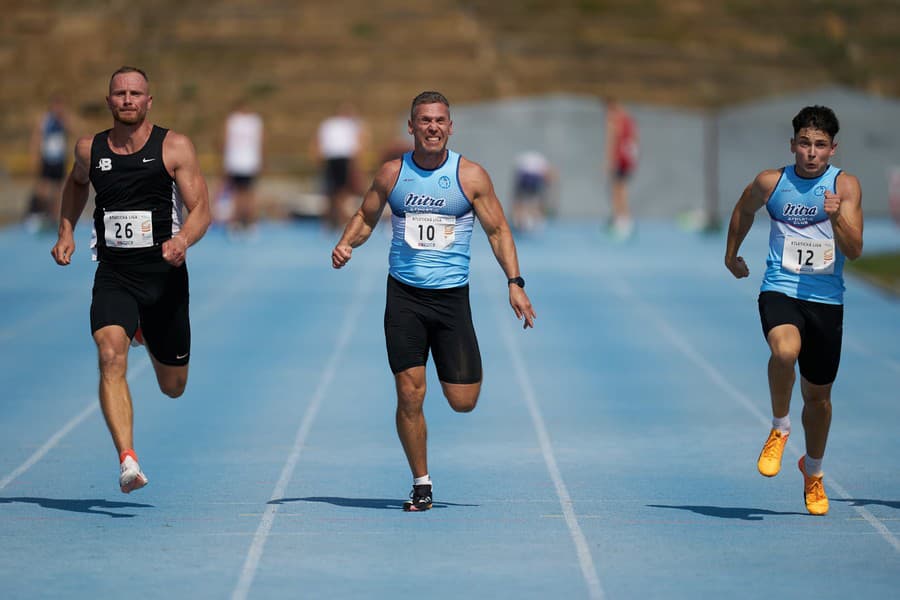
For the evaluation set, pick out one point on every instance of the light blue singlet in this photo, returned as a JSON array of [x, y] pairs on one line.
[[797, 209], [432, 225]]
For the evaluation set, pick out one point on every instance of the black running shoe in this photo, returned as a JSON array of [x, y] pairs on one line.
[[420, 499]]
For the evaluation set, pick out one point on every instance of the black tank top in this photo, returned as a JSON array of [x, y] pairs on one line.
[[133, 182]]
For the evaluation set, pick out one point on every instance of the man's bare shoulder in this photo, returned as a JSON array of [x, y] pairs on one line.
[[387, 174], [470, 168], [766, 181], [845, 179], [83, 150], [178, 142]]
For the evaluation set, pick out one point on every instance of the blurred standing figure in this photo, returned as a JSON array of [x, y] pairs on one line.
[[143, 176], [435, 195], [243, 161], [337, 147], [622, 144], [816, 223], [531, 190], [49, 141]]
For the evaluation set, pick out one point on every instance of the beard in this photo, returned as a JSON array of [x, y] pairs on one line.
[[135, 117]]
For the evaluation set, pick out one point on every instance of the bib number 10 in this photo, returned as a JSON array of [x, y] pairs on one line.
[[430, 231]]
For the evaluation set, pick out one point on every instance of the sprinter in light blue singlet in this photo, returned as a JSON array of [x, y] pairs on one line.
[[435, 195], [803, 260], [816, 223]]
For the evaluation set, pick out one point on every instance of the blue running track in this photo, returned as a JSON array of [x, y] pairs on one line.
[[612, 454]]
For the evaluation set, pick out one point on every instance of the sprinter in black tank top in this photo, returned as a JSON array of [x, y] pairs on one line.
[[133, 182], [143, 177]]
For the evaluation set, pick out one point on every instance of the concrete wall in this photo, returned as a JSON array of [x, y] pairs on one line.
[[672, 175]]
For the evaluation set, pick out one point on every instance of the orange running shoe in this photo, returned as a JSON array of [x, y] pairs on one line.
[[769, 463], [813, 492]]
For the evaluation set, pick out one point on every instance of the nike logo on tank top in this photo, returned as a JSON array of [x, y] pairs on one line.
[[432, 220], [137, 205]]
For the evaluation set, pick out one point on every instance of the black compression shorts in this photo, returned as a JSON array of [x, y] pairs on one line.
[[821, 330], [156, 296], [417, 320]]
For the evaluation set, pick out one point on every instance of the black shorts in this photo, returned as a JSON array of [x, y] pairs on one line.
[[53, 171], [337, 174], [821, 331], [156, 296], [241, 182], [416, 320]]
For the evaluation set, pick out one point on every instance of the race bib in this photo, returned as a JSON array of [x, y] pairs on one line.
[[128, 229], [428, 231], [813, 257]]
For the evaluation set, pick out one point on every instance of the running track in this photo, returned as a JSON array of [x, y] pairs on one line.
[[612, 454]]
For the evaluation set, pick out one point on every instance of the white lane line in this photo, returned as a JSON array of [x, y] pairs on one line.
[[582, 549], [139, 366], [254, 553], [624, 291], [864, 351], [63, 431]]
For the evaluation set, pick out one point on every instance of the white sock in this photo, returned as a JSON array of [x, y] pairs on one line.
[[813, 466], [423, 480], [782, 424]]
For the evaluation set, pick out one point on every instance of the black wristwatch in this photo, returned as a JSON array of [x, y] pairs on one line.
[[516, 280]]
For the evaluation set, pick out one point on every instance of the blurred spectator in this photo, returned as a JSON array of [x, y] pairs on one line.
[[242, 162], [621, 157], [337, 148], [395, 148], [49, 143], [531, 203]]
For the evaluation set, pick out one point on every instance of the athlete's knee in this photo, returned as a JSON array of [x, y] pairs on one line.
[[462, 397], [784, 343], [463, 405], [785, 354], [173, 389], [112, 359], [816, 396], [172, 384]]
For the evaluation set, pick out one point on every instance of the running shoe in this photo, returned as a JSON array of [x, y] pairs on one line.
[[419, 499], [769, 462], [813, 492], [138, 339], [130, 475]]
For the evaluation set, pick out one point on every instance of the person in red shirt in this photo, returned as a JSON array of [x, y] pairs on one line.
[[621, 161]]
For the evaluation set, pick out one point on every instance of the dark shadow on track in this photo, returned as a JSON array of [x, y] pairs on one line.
[[80, 506], [869, 502], [377, 503], [729, 512]]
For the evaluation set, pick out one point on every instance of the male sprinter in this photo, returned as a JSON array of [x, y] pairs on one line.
[[143, 176], [817, 222], [434, 194]]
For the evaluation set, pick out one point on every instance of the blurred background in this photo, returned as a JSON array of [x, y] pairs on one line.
[[712, 84]]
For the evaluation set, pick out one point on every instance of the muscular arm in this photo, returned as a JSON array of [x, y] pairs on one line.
[[752, 199], [74, 198], [366, 218], [181, 161], [476, 183], [844, 210]]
